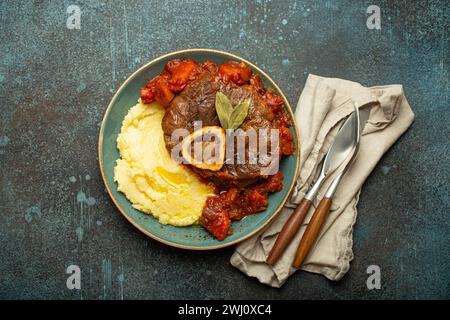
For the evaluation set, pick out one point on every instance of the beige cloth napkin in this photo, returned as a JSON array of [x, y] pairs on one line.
[[323, 105]]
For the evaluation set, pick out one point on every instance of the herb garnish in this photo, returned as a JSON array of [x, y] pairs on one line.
[[229, 117]]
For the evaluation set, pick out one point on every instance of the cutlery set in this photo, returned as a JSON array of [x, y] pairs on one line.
[[338, 159]]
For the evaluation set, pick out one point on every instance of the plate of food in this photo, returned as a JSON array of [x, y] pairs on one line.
[[198, 149]]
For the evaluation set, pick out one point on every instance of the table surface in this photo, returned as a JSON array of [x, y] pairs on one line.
[[56, 83]]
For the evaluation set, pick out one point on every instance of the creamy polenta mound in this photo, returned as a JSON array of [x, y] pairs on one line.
[[149, 177]]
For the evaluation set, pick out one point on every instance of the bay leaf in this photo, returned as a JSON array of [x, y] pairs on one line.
[[239, 114], [224, 109]]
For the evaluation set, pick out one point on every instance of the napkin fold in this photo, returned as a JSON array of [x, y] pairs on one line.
[[323, 105]]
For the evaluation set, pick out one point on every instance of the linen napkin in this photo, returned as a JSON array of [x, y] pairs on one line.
[[323, 105]]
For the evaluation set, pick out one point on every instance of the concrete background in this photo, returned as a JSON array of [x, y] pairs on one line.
[[56, 83]]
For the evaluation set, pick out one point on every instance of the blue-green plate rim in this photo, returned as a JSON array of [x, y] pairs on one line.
[[286, 105]]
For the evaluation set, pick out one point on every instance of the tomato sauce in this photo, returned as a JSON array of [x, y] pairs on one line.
[[230, 204]]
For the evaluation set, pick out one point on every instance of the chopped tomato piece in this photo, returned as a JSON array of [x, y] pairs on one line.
[[163, 94], [147, 95], [285, 133], [256, 81], [181, 72], [239, 73], [215, 218], [273, 101], [180, 69], [256, 201], [286, 144]]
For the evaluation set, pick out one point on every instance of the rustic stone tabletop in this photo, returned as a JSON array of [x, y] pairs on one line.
[[57, 75]]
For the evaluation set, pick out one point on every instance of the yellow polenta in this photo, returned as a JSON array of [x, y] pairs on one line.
[[149, 177]]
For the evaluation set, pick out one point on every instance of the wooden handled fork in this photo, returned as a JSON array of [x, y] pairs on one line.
[[312, 231]]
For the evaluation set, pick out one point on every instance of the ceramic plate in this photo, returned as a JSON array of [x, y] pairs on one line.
[[192, 237]]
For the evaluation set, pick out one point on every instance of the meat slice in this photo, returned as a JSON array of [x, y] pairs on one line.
[[196, 102]]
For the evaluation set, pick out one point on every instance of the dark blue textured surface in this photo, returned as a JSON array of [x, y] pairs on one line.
[[55, 84]]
